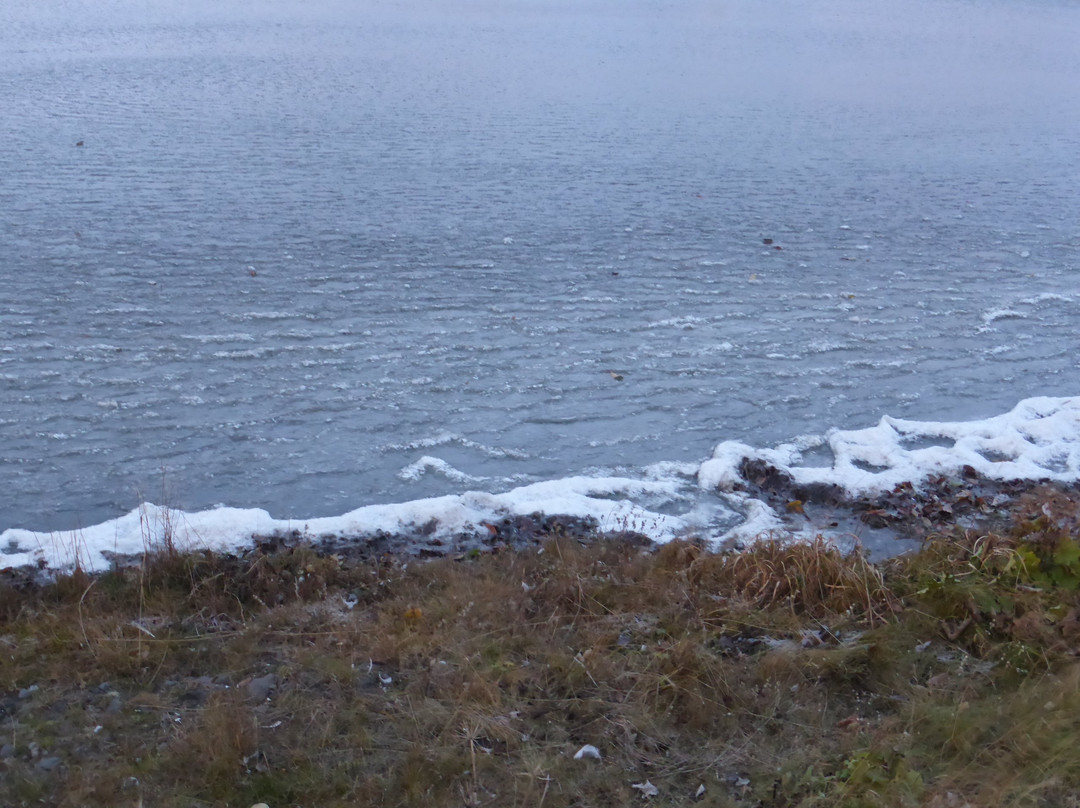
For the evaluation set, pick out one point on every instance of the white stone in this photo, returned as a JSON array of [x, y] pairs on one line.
[[587, 751]]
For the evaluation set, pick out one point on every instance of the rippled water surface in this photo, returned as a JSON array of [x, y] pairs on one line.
[[316, 255]]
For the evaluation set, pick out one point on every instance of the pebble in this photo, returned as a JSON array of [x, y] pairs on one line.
[[49, 763], [259, 689], [195, 697]]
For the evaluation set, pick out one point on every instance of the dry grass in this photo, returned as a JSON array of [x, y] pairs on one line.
[[786, 675]]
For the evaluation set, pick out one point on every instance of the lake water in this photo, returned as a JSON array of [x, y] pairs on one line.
[[316, 255]]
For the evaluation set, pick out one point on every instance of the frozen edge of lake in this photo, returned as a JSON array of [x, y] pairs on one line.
[[1039, 439]]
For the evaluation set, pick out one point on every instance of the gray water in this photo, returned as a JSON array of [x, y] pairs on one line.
[[305, 244]]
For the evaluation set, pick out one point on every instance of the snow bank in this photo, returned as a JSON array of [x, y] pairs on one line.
[[609, 500], [1038, 439]]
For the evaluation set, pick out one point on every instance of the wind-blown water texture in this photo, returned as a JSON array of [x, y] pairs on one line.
[[309, 259]]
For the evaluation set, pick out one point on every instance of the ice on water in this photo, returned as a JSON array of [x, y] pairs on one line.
[[611, 501], [1038, 439]]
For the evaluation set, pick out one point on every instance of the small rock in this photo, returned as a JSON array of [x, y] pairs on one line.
[[587, 751], [810, 639], [27, 692], [195, 697], [49, 763], [115, 706], [7, 751], [261, 688], [260, 805]]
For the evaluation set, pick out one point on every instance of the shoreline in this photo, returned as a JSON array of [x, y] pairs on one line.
[[569, 670], [883, 487], [901, 519]]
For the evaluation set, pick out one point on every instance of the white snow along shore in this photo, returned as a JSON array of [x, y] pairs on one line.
[[1038, 439]]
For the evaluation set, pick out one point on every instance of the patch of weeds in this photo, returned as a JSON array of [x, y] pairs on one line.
[[879, 777], [813, 579]]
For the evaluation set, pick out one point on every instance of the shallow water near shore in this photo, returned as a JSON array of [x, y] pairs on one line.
[[313, 259]]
